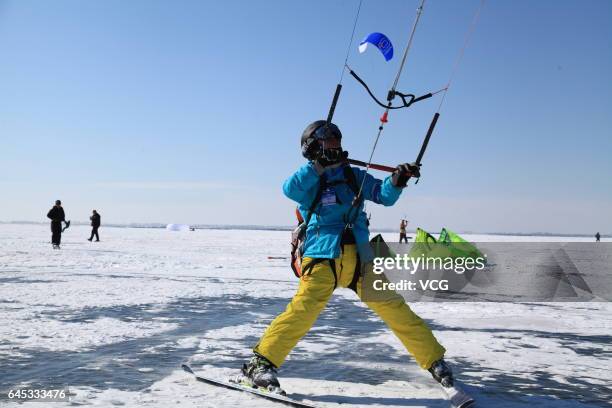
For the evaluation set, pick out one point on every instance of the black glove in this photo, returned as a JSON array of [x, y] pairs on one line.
[[322, 162], [403, 172], [311, 149], [320, 165]]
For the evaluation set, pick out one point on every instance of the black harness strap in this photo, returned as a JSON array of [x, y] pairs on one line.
[[332, 264], [356, 275], [317, 199], [307, 270], [353, 212], [351, 180]]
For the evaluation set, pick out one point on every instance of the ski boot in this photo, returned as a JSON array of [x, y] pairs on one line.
[[260, 373], [443, 374]]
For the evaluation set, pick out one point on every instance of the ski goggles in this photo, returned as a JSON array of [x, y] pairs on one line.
[[326, 132]]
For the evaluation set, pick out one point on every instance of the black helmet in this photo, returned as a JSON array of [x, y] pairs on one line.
[[317, 130]]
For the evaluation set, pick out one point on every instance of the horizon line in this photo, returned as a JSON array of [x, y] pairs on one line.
[[257, 227]]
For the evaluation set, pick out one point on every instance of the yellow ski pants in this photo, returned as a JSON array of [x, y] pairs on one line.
[[315, 289]]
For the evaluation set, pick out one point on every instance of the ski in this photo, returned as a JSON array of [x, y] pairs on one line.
[[458, 398], [255, 391]]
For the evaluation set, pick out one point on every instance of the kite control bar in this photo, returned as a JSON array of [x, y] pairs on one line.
[[372, 165], [432, 126], [389, 169]]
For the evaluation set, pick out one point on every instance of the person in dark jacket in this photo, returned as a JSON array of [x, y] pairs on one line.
[[403, 236], [57, 216], [95, 224]]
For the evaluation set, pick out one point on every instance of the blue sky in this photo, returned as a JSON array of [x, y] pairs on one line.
[[191, 111]]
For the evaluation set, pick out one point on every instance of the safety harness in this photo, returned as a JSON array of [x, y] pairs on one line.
[[298, 236]]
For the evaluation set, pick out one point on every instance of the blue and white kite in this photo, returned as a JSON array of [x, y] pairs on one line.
[[380, 41]]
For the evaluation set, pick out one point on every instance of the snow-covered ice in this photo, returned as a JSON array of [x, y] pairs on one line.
[[114, 320]]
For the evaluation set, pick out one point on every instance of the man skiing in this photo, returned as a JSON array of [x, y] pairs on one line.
[[336, 242], [95, 224], [57, 216]]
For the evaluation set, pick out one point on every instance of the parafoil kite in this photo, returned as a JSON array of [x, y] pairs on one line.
[[380, 41]]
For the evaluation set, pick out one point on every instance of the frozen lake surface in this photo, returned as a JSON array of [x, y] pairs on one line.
[[114, 320]]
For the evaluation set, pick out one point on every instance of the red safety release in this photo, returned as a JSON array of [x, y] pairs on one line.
[[383, 118]]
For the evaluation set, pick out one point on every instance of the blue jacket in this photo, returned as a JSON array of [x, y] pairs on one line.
[[325, 228]]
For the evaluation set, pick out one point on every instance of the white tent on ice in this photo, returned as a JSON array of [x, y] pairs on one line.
[[177, 227]]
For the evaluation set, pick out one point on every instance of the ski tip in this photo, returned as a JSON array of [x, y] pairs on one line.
[[459, 398], [465, 404], [185, 367]]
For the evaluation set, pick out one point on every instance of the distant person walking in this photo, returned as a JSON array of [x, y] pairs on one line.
[[95, 224], [597, 237], [57, 216], [403, 236]]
